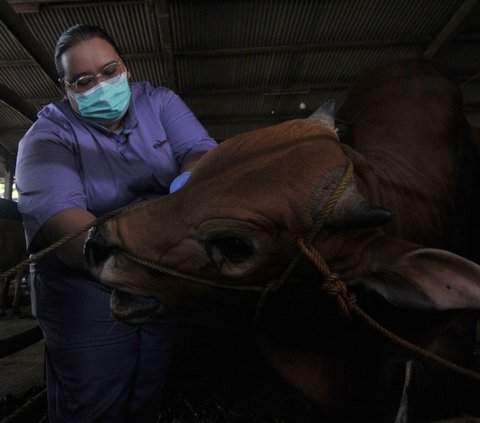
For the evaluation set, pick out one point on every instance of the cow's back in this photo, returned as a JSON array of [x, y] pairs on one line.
[[407, 122]]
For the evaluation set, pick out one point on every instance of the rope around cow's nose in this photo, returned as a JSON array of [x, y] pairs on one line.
[[35, 257]]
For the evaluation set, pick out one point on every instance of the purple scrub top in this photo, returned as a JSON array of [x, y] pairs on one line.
[[65, 161]]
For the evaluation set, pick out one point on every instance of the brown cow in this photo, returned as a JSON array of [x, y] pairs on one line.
[[12, 251], [238, 219]]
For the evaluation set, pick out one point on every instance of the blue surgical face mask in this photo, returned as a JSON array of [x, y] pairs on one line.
[[107, 101]]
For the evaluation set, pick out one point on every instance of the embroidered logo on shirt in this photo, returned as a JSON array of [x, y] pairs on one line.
[[159, 143]]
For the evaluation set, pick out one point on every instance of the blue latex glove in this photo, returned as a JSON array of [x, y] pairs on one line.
[[178, 182]]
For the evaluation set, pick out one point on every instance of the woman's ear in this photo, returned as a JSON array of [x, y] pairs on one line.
[[61, 84]]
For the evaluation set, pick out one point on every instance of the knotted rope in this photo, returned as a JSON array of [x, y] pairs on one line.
[[347, 302], [326, 211]]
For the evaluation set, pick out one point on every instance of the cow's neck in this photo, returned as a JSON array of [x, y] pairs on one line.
[[305, 338], [387, 181], [333, 361]]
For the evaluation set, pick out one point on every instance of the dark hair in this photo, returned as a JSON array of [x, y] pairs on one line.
[[75, 35]]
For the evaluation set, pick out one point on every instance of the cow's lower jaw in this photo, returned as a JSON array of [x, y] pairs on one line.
[[135, 309]]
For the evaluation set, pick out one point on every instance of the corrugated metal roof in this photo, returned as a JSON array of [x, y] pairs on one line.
[[128, 22], [246, 64], [11, 119], [29, 81], [147, 69], [279, 69], [235, 24]]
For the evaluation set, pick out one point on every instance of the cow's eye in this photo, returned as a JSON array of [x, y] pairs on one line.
[[235, 250]]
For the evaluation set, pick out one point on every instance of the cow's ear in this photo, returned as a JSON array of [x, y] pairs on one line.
[[426, 279]]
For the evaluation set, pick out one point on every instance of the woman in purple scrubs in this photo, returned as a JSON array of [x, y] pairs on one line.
[[108, 144]]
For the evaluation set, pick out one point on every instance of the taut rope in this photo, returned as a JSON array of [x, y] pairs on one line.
[[190, 278]]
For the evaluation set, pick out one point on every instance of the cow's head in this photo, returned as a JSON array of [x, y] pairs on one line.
[[237, 218]]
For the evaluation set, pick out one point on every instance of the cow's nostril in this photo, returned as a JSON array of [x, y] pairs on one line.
[[97, 248]]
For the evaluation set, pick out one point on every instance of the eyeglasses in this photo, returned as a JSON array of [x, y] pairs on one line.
[[110, 72]]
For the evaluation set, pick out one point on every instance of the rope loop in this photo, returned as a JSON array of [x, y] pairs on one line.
[[332, 285], [336, 288]]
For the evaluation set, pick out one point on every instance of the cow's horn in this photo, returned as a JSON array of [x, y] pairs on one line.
[[364, 215], [352, 210], [325, 115]]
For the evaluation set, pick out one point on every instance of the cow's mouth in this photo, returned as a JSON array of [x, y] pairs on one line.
[[135, 309]]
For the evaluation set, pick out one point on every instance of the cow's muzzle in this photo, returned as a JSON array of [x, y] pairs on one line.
[[126, 307], [97, 248]]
